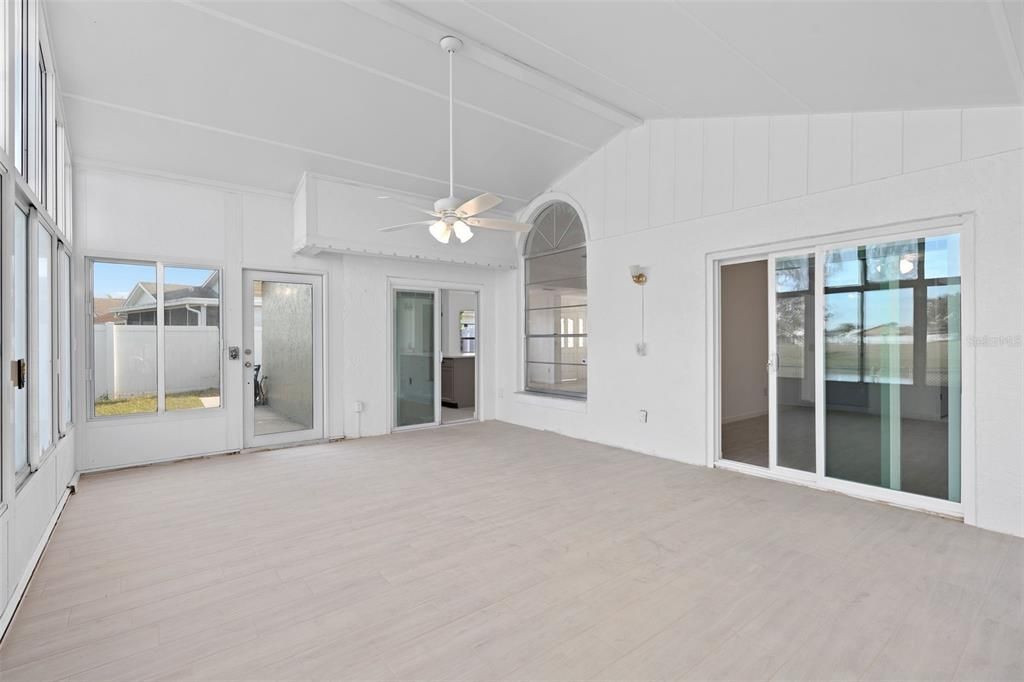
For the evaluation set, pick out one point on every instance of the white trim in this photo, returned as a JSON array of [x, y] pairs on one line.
[[962, 224], [19, 591]]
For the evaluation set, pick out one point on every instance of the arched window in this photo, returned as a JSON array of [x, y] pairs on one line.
[[556, 303]]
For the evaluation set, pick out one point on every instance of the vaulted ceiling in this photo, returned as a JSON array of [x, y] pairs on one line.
[[253, 92]]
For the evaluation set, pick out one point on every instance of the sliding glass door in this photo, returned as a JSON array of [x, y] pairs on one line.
[[865, 367], [792, 387], [415, 358], [892, 365]]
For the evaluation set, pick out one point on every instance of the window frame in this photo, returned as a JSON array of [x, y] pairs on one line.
[[524, 337], [161, 412]]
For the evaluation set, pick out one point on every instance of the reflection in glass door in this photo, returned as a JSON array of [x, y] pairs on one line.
[[282, 358], [892, 365], [793, 386], [19, 358], [414, 346]]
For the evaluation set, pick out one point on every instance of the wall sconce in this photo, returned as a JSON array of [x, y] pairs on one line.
[[639, 276]]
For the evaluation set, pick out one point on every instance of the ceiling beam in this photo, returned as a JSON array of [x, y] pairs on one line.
[[418, 24]]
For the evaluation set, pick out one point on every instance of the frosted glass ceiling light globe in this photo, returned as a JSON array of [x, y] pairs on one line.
[[462, 231], [441, 231]]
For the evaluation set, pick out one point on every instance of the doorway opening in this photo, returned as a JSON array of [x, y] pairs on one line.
[[744, 347], [435, 350], [458, 359]]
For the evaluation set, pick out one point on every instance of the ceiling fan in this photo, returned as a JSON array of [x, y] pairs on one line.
[[450, 215]]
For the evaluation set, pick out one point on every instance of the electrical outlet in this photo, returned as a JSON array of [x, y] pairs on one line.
[[357, 406], [501, 393], [643, 416]]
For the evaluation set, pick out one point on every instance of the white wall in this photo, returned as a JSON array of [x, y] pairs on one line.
[[133, 215], [668, 194], [744, 329]]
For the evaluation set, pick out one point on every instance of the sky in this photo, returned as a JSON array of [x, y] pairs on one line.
[[116, 280]]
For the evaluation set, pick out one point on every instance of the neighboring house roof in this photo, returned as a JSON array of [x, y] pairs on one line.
[[105, 310], [143, 295]]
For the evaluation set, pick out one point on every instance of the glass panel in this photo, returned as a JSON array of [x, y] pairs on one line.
[[554, 378], [282, 357], [843, 268], [64, 350], [795, 376], [546, 321], [414, 358], [44, 339], [942, 256], [191, 338], [124, 338], [893, 381], [20, 341], [21, 87], [892, 261], [567, 269]]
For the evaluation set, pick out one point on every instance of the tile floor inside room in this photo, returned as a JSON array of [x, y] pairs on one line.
[[490, 551]]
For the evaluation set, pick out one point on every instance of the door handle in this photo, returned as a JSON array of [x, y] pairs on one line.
[[19, 373]]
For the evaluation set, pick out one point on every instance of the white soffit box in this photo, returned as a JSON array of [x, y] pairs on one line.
[[334, 216]]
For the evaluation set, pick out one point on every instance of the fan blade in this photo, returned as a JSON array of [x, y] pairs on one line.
[[410, 205], [484, 202], [498, 224], [403, 226]]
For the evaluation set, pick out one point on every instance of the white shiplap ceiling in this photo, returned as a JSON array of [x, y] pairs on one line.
[[254, 92]]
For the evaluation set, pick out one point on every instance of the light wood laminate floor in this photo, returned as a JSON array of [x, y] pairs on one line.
[[489, 551]]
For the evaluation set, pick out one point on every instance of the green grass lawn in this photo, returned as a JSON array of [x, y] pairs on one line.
[[138, 404]]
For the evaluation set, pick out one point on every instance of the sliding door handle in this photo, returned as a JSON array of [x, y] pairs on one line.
[[19, 373]]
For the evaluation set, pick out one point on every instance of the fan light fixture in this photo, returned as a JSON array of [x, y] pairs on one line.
[[451, 215]]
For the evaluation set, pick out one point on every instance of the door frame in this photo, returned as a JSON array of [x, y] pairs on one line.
[[249, 437], [395, 284], [962, 224]]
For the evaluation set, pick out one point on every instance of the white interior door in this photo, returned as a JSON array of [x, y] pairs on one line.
[[283, 358]]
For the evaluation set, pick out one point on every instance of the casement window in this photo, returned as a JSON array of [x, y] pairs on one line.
[[555, 297], [155, 339]]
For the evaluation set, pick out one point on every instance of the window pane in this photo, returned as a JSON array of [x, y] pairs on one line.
[[567, 269], [44, 340], [546, 296], [191, 338], [551, 378], [943, 337], [892, 261], [942, 256], [556, 349], [545, 321], [843, 336], [794, 377], [893, 379], [21, 87], [843, 268], [124, 338], [888, 336], [20, 336], [65, 341], [792, 274]]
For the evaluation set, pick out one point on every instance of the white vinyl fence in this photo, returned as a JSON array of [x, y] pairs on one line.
[[125, 357]]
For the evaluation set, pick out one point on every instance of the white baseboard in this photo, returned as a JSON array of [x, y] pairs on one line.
[[19, 592]]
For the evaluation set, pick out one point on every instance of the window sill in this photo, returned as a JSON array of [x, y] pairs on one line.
[[557, 402]]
